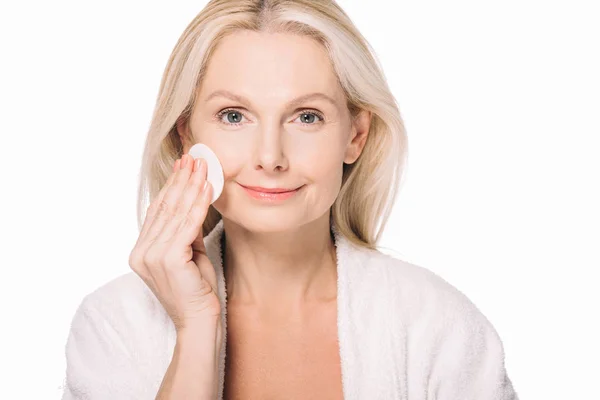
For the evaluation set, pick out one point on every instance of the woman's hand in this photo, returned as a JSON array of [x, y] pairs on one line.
[[170, 255]]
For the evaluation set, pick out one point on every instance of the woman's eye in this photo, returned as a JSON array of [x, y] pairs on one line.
[[311, 118], [234, 117]]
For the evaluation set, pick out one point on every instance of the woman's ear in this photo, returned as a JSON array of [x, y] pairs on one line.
[[182, 127], [360, 131]]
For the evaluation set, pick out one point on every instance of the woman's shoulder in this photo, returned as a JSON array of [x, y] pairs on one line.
[[126, 299], [418, 293], [405, 277], [446, 331], [121, 333]]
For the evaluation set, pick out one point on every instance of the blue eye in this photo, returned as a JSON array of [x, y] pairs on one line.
[[228, 113], [239, 115]]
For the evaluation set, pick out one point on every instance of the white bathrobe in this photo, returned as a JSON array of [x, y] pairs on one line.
[[403, 333]]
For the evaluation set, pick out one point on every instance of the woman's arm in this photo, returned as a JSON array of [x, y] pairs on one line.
[[193, 370], [100, 364], [470, 363]]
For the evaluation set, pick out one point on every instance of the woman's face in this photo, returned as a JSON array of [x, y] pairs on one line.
[[246, 113]]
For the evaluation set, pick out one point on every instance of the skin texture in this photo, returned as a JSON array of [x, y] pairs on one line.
[[279, 258]]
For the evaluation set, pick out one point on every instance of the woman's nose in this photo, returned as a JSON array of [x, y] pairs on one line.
[[271, 148]]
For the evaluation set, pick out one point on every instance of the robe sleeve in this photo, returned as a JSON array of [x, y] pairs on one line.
[[99, 365], [470, 360]]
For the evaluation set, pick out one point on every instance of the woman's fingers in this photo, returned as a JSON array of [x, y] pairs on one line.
[[161, 210], [192, 190], [167, 206], [151, 211]]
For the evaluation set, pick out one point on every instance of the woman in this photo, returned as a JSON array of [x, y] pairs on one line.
[[291, 287]]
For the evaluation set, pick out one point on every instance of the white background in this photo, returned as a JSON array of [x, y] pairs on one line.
[[501, 101]]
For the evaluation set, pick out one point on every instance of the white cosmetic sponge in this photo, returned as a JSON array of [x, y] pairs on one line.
[[215, 169]]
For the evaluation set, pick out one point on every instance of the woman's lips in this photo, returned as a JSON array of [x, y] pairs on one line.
[[267, 190], [270, 197]]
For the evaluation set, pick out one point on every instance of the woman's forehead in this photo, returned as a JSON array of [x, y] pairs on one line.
[[267, 60]]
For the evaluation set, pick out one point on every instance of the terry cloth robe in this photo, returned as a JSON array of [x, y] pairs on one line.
[[403, 333]]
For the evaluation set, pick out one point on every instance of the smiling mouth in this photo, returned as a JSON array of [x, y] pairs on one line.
[[270, 190], [276, 197]]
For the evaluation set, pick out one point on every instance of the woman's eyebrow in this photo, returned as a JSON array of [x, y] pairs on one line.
[[292, 103]]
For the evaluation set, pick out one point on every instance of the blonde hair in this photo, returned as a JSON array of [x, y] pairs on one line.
[[369, 186]]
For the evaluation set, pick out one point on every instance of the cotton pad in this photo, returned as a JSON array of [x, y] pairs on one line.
[[214, 173]]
